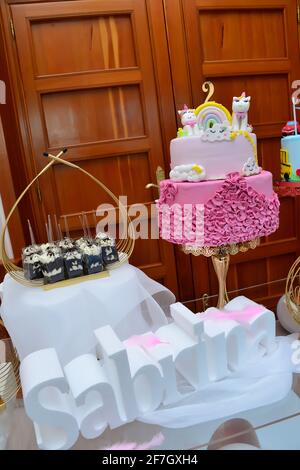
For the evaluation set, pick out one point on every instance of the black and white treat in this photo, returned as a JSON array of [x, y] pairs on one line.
[[50, 246], [102, 237], [92, 259], [66, 244], [30, 250], [73, 260], [52, 266], [83, 241], [109, 251], [32, 267], [108, 245]]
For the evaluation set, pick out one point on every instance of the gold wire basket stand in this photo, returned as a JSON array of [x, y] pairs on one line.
[[9, 370], [124, 246], [292, 291]]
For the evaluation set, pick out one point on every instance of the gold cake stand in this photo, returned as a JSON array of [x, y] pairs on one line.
[[220, 257]]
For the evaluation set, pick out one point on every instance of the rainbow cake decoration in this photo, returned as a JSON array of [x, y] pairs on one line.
[[216, 194]]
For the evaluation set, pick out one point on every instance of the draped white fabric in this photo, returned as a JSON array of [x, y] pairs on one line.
[[65, 318], [258, 384]]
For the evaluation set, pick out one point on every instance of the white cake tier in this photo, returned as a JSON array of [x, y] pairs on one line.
[[218, 158]]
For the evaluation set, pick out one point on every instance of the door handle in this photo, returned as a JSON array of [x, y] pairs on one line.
[[160, 175]]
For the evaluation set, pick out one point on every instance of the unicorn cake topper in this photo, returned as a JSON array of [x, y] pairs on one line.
[[240, 108], [189, 121]]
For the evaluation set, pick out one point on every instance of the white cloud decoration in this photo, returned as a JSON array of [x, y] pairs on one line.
[[251, 168], [191, 172], [217, 132]]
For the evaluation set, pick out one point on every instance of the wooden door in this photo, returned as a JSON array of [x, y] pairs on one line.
[[251, 46], [89, 85], [15, 239]]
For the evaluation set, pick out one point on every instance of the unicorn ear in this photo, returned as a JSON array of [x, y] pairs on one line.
[[184, 110], [249, 98]]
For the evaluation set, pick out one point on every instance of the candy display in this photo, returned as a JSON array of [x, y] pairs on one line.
[[68, 259], [109, 251], [32, 267], [52, 266], [73, 261]]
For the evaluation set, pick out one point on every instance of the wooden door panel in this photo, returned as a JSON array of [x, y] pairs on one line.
[[100, 43], [110, 113], [251, 46], [89, 85], [73, 190], [270, 107], [245, 24]]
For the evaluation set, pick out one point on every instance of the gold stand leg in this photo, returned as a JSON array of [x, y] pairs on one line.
[[221, 265]]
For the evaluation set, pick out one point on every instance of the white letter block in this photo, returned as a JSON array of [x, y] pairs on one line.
[[163, 354], [260, 329], [46, 400], [185, 338], [94, 396], [116, 365], [235, 338], [147, 380]]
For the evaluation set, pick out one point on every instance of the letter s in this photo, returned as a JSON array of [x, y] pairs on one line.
[[46, 400]]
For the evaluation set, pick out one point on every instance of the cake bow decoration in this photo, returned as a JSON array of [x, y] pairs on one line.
[[242, 315], [149, 340]]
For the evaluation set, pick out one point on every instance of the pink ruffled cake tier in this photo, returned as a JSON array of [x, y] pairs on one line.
[[219, 212]]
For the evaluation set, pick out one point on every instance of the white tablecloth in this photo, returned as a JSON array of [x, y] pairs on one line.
[[65, 318]]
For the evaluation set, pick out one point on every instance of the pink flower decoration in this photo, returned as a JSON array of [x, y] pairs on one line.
[[236, 213], [167, 193]]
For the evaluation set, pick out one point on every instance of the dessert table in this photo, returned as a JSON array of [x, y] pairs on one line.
[[147, 307], [272, 427], [65, 318]]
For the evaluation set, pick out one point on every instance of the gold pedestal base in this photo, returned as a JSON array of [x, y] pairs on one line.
[[220, 256], [221, 265]]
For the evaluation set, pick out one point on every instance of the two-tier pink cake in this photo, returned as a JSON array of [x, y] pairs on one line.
[[217, 194]]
